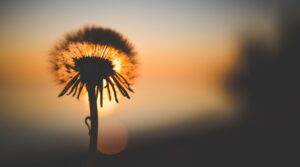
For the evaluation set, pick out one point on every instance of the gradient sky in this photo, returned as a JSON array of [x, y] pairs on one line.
[[185, 49]]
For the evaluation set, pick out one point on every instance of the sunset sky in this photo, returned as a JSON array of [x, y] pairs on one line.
[[185, 49]]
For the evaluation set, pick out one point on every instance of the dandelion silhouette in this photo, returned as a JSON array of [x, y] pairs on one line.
[[94, 59]]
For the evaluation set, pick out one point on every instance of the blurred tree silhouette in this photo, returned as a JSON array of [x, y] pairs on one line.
[[269, 81]]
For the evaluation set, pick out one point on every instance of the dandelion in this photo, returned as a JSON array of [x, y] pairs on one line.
[[94, 60]]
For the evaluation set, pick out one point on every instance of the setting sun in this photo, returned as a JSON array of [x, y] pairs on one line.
[[108, 106]]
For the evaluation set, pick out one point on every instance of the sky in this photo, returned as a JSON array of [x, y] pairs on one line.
[[185, 51]]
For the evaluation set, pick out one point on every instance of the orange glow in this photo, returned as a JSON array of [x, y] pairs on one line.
[[117, 64], [122, 63]]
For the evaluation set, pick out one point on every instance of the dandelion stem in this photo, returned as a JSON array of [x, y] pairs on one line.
[[94, 125]]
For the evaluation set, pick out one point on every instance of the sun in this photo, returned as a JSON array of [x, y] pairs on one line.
[[108, 106]]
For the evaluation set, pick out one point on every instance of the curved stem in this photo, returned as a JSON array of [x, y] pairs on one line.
[[94, 125]]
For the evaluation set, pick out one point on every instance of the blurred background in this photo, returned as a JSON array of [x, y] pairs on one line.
[[218, 84]]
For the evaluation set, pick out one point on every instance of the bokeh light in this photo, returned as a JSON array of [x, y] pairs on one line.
[[113, 137]]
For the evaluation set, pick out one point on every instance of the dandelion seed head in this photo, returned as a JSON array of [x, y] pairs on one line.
[[94, 56]]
